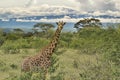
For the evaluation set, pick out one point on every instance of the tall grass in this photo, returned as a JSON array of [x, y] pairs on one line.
[[90, 54]]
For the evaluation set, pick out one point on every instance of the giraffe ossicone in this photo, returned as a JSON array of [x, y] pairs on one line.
[[42, 60]]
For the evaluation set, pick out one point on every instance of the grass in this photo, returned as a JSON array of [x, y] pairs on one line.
[[71, 63], [80, 56], [12, 63]]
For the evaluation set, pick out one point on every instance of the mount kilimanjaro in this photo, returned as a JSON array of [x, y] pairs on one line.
[[47, 13]]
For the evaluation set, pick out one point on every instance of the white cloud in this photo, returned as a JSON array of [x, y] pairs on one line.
[[44, 9], [51, 20], [98, 5], [68, 20], [117, 4], [110, 13], [31, 3]]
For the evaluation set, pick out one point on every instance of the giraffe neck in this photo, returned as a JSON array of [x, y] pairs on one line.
[[51, 47]]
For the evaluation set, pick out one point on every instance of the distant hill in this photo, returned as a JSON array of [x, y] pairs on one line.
[[44, 13]]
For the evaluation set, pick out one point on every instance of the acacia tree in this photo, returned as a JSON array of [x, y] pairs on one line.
[[18, 30], [92, 22], [44, 27]]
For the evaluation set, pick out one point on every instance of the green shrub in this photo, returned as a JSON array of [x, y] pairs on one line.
[[13, 66], [10, 49], [100, 71]]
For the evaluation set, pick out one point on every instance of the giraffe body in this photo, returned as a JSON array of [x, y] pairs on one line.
[[42, 60]]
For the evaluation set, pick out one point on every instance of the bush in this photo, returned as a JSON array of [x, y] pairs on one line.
[[10, 48], [100, 71], [1, 42]]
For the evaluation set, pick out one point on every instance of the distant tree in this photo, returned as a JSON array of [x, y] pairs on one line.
[[92, 22], [15, 34], [1, 37], [44, 27], [28, 34], [1, 32], [18, 30]]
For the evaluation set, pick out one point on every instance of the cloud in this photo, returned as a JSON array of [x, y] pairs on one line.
[[97, 5], [74, 20], [117, 4], [45, 10], [42, 10], [31, 3]]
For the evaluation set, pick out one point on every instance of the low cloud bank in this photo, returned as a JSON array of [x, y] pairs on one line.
[[69, 20]]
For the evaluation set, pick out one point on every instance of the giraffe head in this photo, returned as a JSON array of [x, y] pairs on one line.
[[60, 24]]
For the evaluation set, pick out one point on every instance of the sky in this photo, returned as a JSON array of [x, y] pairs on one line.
[[22, 3], [83, 5], [32, 7]]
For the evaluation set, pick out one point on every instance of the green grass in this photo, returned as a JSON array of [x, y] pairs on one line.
[[66, 61], [12, 63], [90, 54], [72, 63]]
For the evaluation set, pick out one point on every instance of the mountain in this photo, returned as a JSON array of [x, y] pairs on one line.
[[35, 11], [44, 13]]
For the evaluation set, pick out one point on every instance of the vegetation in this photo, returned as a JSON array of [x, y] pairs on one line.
[[42, 27], [92, 22], [92, 53]]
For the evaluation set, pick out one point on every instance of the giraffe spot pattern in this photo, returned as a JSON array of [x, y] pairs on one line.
[[42, 60]]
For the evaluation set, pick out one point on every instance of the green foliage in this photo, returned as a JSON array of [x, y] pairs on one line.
[[59, 76], [17, 30], [3, 66], [13, 66], [12, 36], [100, 71], [114, 56], [89, 41], [32, 76], [66, 39], [10, 48], [39, 75], [92, 22], [44, 27], [14, 46], [2, 39]]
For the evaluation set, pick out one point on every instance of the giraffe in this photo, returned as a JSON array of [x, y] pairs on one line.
[[42, 59]]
